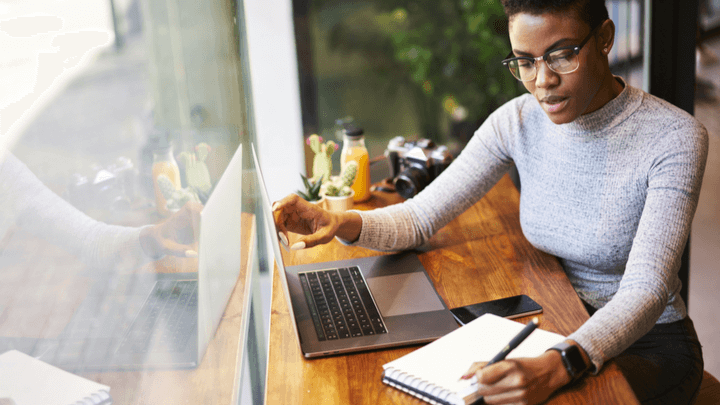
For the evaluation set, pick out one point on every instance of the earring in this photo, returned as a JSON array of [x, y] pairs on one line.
[[605, 50]]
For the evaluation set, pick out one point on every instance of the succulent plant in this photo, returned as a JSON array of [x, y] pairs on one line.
[[340, 186], [312, 189], [175, 198]]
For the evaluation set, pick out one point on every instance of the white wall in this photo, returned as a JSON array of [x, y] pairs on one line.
[[275, 94]]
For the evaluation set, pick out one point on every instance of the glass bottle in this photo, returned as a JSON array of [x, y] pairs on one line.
[[354, 149], [164, 163]]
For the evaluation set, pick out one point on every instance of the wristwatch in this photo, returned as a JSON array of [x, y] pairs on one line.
[[572, 359]]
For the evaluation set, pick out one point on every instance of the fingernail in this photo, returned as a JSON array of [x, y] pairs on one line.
[[466, 376], [283, 239], [274, 206], [298, 246], [191, 253]]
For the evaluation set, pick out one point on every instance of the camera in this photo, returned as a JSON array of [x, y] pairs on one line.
[[98, 187], [413, 165]]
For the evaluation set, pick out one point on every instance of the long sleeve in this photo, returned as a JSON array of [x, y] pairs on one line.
[[648, 290], [27, 202], [480, 165]]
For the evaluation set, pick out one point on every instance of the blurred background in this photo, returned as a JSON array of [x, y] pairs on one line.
[[412, 68]]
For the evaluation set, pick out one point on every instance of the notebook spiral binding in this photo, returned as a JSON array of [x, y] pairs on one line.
[[429, 393]]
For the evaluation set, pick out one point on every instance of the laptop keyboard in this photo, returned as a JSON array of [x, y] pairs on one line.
[[171, 310], [340, 304], [106, 326]]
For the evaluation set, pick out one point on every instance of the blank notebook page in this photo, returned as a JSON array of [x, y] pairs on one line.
[[445, 360]]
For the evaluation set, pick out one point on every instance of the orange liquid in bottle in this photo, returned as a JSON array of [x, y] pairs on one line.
[[362, 179], [171, 170]]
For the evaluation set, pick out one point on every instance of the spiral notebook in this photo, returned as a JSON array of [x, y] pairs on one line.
[[24, 380], [432, 372]]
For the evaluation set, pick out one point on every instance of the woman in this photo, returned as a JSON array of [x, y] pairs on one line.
[[611, 178]]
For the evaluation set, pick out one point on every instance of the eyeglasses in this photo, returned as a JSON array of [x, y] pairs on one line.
[[560, 60]]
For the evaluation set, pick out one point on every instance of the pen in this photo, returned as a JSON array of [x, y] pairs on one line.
[[514, 343]]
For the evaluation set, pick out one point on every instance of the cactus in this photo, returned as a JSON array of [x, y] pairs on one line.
[[175, 198], [347, 177], [340, 186], [322, 162], [166, 186], [197, 175]]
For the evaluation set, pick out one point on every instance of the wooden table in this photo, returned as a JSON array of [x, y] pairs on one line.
[[479, 256]]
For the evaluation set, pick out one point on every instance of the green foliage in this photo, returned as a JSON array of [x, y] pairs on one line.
[[312, 189], [448, 51]]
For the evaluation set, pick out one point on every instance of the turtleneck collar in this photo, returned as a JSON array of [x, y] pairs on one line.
[[609, 115]]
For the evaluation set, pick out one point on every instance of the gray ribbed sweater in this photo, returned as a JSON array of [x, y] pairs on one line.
[[611, 195], [27, 202]]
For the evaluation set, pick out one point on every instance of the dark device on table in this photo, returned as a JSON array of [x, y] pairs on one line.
[[510, 307], [413, 165]]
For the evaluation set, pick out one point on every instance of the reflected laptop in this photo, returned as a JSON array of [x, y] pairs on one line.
[[160, 320], [358, 304]]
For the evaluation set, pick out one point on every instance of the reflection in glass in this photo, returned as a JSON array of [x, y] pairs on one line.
[[129, 125]]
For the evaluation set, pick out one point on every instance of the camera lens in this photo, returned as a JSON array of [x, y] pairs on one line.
[[411, 181]]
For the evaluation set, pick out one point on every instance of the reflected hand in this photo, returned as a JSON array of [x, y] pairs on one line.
[[176, 235], [296, 215]]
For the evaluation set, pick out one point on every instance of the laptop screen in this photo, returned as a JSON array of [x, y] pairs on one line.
[[273, 234], [219, 260]]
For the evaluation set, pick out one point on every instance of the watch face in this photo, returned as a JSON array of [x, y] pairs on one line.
[[573, 360]]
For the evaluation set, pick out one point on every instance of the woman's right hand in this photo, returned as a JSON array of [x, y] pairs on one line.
[[315, 224]]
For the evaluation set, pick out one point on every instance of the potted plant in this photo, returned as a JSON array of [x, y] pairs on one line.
[[312, 190], [337, 191]]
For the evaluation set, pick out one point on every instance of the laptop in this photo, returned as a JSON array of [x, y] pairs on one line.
[[159, 320], [360, 304]]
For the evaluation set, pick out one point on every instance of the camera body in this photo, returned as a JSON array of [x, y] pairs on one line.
[[109, 188], [413, 165]]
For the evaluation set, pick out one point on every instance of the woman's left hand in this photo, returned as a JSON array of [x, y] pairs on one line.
[[176, 235], [521, 380]]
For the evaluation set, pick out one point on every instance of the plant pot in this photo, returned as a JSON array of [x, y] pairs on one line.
[[339, 203], [320, 203]]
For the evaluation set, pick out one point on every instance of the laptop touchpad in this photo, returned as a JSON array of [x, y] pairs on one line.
[[402, 294]]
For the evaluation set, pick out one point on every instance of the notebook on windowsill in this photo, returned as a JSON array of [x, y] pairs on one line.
[[25, 380]]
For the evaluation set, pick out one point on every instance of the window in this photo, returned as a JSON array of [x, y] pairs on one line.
[[396, 68], [418, 69]]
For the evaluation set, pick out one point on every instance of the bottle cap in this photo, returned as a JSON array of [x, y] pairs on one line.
[[160, 140], [351, 131]]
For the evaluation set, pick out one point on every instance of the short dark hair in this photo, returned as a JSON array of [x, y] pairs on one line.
[[593, 12]]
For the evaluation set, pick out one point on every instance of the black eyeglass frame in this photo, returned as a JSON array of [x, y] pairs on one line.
[[575, 48]]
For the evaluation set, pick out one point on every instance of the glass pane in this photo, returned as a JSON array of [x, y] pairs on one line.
[[117, 114]]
